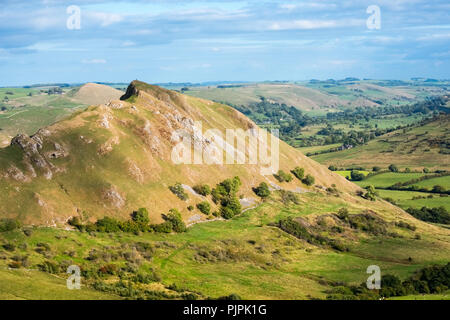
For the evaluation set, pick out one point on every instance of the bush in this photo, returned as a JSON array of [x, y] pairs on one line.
[[202, 189], [178, 190], [262, 190], [204, 207], [190, 207], [308, 180], [288, 197], [435, 215], [225, 194], [426, 170], [108, 224], [9, 225], [332, 168], [356, 175], [282, 176], [393, 168], [49, 267], [376, 169], [175, 220], [298, 172], [140, 216], [370, 194]]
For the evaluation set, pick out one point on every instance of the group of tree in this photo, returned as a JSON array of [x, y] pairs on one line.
[[139, 222], [224, 194]]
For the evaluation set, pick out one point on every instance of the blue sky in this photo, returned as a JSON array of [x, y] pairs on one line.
[[195, 41]]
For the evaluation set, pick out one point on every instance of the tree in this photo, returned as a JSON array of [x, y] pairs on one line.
[[371, 193], [376, 169], [262, 190], [202, 189], [299, 173], [282, 176], [393, 168], [175, 220], [332, 168], [204, 207], [356, 175], [140, 216], [426, 170], [438, 189], [309, 180]]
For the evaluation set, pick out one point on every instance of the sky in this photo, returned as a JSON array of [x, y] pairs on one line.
[[195, 41]]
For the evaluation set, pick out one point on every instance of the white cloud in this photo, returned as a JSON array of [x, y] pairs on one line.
[[314, 24], [104, 18], [93, 61]]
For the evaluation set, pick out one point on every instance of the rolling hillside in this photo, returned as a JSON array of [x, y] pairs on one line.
[[114, 158], [109, 160], [418, 147]]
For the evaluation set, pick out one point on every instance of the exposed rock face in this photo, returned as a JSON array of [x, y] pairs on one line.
[[33, 157], [113, 197]]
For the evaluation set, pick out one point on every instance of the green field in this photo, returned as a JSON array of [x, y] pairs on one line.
[[250, 257], [441, 181], [416, 148], [405, 200], [384, 180]]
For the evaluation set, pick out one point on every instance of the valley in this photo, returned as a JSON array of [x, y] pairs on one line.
[[98, 189]]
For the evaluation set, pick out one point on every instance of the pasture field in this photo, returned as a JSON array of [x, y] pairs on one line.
[[387, 179], [441, 181], [347, 173], [416, 148], [404, 199]]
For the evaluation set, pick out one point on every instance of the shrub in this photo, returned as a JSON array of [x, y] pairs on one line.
[[108, 224], [178, 190], [204, 207], [282, 176], [9, 225], [438, 189], [175, 220], [141, 217], [262, 190], [435, 215], [288, 197], [376, 169], [393, 168], [49, 267], [356, 175], [426, 170], [9, 247], [308, 180], [371, 193], [298, 172], [332, 168], [202, 189], [231, 207], [190, 207]]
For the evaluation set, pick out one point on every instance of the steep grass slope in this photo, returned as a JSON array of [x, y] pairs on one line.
[[112, 159]]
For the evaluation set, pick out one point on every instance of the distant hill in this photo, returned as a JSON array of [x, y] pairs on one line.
[[426, 145], [94, 93]]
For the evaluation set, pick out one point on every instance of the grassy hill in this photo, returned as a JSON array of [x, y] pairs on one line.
[[417, 147], [124, 152], [110, 160], [26, 110]]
